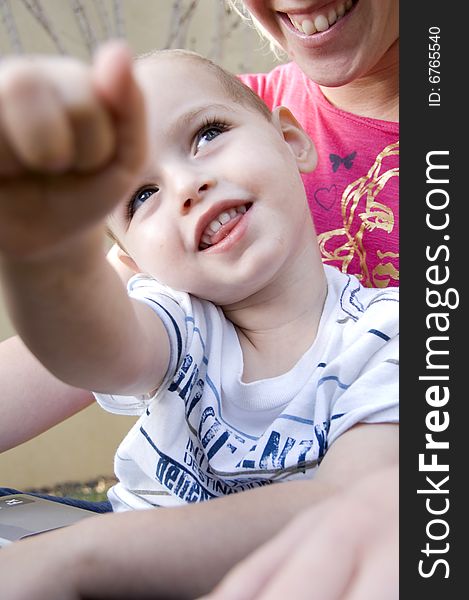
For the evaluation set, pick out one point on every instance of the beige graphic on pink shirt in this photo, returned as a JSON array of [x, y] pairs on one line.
[[363, 213]]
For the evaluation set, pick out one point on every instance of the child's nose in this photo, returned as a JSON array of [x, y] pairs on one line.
[[195, 197]]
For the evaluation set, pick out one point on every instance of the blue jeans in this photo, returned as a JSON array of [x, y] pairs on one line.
[[98, 507]]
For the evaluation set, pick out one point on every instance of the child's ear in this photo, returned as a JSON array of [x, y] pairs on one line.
[[122, 263], [295, 136]]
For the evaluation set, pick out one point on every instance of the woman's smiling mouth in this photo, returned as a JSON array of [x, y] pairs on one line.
[[320, 20]]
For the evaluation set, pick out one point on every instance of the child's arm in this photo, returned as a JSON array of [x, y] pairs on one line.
[[27, 388], [183, 552], [74, 314], [72, 139]]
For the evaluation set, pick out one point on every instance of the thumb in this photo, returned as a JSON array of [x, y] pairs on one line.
[[117, 87]]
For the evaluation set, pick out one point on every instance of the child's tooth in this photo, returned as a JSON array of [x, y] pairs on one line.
[[348, 4], [242, 209], [308, 27], [214, 226], [206, 239], [224, 217], [340, 10], [232, 212], [332, 16], [321, 23]]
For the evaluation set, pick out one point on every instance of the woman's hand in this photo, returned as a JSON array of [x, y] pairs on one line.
[[345, 548]]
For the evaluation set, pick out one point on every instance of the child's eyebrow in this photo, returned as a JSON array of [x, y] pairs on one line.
[[184, 121]]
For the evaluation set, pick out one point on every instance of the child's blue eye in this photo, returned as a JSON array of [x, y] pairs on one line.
[[208, 133], [138, 199]]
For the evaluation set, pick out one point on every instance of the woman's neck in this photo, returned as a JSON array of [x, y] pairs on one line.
[[375, 95]]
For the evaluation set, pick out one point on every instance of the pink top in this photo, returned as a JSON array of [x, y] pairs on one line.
[[353, 193]]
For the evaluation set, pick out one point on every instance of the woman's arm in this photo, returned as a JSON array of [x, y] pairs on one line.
[[31, 399], [183, 552], [364, 564]]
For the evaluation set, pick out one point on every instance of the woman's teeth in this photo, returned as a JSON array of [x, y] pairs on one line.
[[321, 22]]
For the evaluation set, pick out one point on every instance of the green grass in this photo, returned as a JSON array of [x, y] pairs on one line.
[[93, 491]]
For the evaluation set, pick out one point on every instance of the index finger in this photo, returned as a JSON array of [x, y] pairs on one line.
[[117, 87]]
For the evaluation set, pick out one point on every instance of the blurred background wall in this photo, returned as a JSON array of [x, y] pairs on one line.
[[77, 449]]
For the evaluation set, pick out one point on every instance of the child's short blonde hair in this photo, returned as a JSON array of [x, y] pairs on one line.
[[232, 85]]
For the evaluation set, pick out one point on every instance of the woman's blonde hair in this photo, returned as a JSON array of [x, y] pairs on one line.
[[239, 7]]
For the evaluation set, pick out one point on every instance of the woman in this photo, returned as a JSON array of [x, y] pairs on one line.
[[342, 85]]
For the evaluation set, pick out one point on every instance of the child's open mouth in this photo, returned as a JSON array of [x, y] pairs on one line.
[[220, 227], [319, 21]]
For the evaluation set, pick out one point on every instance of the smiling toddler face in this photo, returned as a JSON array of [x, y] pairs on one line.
[[220, 204]]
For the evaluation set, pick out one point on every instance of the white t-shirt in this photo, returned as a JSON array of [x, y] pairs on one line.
[[205, 433]]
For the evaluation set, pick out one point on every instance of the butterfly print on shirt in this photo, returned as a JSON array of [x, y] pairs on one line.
[[347, 161]]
